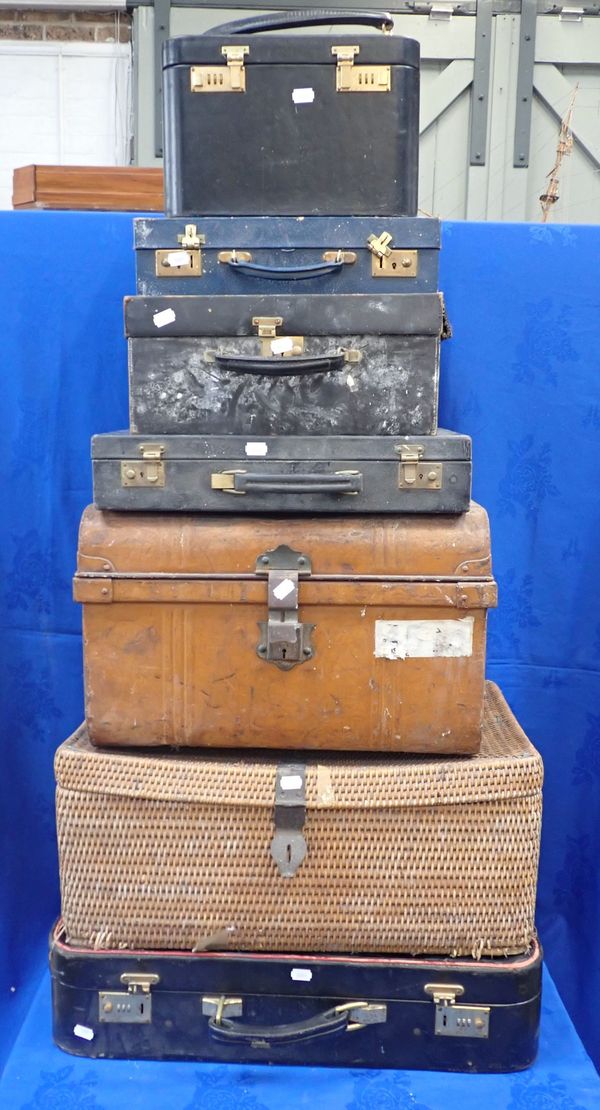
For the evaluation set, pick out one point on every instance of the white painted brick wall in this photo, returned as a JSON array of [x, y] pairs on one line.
[[63, 104]]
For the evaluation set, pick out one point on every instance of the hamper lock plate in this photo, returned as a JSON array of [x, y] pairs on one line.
[[457, 1021], [133, 1005], [285, 641], [288, 846]]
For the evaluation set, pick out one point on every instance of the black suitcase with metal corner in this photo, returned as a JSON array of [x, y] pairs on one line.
[[320, 364], [460, 1015], [283, 474], [290, 124]]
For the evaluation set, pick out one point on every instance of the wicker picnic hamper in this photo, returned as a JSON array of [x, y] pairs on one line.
[[403, 854]]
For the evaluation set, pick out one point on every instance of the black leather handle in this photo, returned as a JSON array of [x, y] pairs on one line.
[[327, 1024], [280, 21], [280, 367], [297, 483], [283, 273]]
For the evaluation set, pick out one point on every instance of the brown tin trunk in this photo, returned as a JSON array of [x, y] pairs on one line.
[[364, 634]]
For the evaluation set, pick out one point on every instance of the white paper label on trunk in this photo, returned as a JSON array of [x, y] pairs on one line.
[[291, 782], [256, 450], [284, 589], [301, 974], [280, 346], [303, 96], [165, 317], [178, 258], [424, 639], [84, 1032]]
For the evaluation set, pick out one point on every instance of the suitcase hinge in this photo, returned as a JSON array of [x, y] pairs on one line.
[[284, 641], [133, 1005], [413, 473], [457, 1021], [150, 472], [288, 846], [221, 79], [359, 79], [273, 344], [388, 262]]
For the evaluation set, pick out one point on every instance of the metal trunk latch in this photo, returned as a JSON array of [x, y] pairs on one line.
[[273, 344], [284, 641], [133, 1005], [350, 78], [230, 78], [413, 472], [184, 261], [457, 1021], [150, 471], [288, 846], [390, 262]]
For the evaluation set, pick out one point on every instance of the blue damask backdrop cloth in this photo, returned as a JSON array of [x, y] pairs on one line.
[[521, 376]]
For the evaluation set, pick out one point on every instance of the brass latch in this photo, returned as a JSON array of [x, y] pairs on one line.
[[388, 262], [352, 78], [457, 1021], [185, 261], [133, 1005], [149, 472], [273, 344], [221, 79], [413, 473], [284, 640]]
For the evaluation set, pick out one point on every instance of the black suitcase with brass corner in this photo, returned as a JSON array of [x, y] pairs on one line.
[[288, 124], [283, 474], [460, 1015]]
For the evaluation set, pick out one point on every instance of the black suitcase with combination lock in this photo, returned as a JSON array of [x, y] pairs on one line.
[[290, 124]]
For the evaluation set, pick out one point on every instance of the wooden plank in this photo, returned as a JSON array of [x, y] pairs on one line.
[[101, 188]]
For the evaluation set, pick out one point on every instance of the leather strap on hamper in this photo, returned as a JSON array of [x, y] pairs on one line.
[[342, 1019], [280, 367], [281, 21], [283, 273]]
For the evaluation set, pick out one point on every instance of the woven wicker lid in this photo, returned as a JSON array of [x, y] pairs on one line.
[[507, 766]]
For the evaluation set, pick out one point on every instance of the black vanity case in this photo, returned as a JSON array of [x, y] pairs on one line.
[[458, 1015], [283, 474], [321, 364], [292, 124]]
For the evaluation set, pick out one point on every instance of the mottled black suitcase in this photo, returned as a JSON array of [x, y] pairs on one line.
[[281, 254], [290, 124], [460, 1015], [283, 474], [320, 364]]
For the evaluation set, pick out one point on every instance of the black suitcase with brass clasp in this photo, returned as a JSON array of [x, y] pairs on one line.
[[288, 124]]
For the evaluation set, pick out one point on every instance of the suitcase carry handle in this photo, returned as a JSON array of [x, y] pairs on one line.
[[280, 21], [346, 1018], [247, 482], [282, 273], [280, 367]]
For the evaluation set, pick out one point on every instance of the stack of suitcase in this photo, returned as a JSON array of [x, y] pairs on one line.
[[297, 825]]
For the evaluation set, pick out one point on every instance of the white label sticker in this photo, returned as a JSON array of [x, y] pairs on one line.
[[84, 1032], [284, 589], [178, 258], [423, 639], [303, 96], [291, 782], [280, 346], [165, 317], [301, 974], [256, 450]]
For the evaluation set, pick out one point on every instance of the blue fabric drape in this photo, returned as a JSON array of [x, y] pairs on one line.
[[520, 375]]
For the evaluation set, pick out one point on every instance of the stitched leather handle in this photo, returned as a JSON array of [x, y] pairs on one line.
[[283, 273], [280, 367], [281, 21], [297, 483], [328, 1024]]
